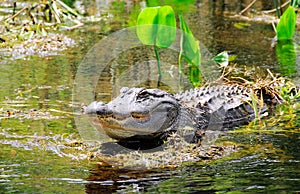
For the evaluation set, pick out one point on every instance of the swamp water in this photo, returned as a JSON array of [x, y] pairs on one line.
[[40, 145]]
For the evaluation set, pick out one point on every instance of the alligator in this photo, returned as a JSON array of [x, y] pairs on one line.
[[151, 115]]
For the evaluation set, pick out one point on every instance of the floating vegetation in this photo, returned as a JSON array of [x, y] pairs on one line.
[[62, 145], [175, 152], [279, 88], [40, 45], [30, 28], [26, 114], [172, 155]]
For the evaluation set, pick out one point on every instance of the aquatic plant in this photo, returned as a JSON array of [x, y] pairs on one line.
[[285, 29], [157, 26], [190, 49], [222, 59], [285, 47]]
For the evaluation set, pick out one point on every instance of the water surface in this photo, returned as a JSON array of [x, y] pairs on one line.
[[37, 153]]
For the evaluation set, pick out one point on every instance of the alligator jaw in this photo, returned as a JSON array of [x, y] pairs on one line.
[[122, 119], [143, 125]]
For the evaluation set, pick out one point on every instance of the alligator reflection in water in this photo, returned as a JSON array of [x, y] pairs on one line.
[[105, 178]]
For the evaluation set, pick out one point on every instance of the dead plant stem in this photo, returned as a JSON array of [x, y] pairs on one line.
[[274, 10], [16, 14], [250, 5]]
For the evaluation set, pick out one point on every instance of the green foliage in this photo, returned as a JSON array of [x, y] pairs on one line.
[[286, 55], [277, 8], [289, 92], [189, 46], [190, 51], [222, 59], [295, 3], [154, 3], [157, 26], [178, 5], [194, 74], [241, 25], [254, 101], [286, 26], [69, 2]]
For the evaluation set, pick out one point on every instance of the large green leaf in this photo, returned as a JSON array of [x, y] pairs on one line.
[[194, 74], [286, 56], [286, 26], [189, 46], [147, 28], [157, 26], [166, 32]]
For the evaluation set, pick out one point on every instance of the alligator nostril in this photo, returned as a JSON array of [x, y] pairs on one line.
[[103, 110], [91, 108], [99, 108], [100, 104], [124, 90]]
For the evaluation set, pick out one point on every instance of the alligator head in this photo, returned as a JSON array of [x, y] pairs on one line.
[[138, 114]]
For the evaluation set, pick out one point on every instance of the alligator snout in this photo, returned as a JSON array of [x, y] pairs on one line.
[[99, 108]]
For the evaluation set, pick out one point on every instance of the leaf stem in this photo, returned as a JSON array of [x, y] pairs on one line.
[[180, 62], [158, 64], [277, 8]]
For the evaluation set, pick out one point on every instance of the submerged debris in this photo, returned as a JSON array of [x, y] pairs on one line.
[[29, 28], [38, 45]]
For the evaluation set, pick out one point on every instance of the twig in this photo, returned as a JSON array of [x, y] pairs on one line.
[[271, 74], [240, 78], [252, 3], [274, 27], [18, 13], [34, 20], [224, 74], [53, 6], [76, 26], [274, 10], [67, 8]]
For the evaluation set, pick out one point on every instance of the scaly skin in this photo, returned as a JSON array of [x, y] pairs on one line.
[[140, 114]]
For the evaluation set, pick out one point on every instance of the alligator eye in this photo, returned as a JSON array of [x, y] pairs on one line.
[[140, 116], [143, 94]]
